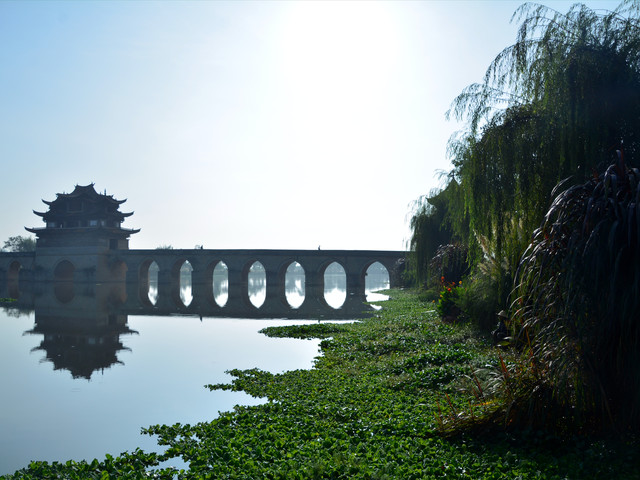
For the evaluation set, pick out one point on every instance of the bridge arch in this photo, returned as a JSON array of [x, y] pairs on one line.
[[293, 281], [374, 267], [376, 277], [335, 284], [256, 284], [13, 279], [219, 290], [148, 281], [182, 282]]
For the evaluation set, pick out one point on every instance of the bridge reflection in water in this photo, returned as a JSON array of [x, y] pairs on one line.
[[82, 321], [81, 324]]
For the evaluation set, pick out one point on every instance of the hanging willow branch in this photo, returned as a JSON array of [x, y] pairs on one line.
[[553, 105]]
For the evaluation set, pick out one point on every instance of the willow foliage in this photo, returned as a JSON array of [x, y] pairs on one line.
[[432, 226], [555, 104]]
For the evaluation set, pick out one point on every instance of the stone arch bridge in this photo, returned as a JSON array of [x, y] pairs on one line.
[[130, 269]]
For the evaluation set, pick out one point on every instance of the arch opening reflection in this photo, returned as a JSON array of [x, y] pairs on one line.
[[152, 276], [186, 285], [257, 284], [335, 285], [376, 278], [221, 284], [294, 285]]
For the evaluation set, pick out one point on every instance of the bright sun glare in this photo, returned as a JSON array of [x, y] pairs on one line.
[[335, 64]]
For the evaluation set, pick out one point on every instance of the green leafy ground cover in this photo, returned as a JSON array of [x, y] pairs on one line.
[[369, 409]]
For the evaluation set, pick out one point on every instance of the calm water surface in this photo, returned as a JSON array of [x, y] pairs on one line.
[[156, 376]]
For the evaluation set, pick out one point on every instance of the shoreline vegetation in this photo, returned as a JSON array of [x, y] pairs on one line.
[[538, 223], [379, 403]]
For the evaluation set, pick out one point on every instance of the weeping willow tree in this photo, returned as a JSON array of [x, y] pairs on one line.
[[551, 111], [556, 104], [433, 225]]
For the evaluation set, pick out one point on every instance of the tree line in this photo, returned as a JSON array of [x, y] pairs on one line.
[[540, 215], [19, 244]]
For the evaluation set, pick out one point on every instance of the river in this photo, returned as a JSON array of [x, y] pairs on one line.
[[77, 391]]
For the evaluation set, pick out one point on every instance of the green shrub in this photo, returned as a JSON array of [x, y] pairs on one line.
[[480, 299], [447, 304]]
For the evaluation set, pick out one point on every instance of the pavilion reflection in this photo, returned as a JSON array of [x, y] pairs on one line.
[[81, 324], [81, 347]]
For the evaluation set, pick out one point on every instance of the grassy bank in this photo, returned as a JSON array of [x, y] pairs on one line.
[[370, 408]]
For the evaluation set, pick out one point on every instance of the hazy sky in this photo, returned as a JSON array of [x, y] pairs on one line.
[[239, 124]]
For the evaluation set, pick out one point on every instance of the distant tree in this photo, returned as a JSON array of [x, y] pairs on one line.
[[19, 244], [164, 247], [432, 226]]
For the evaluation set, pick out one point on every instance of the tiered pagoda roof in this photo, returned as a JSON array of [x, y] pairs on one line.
[[81, 217]]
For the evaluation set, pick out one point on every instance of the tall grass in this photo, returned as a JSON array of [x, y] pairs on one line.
[[576, 312]]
